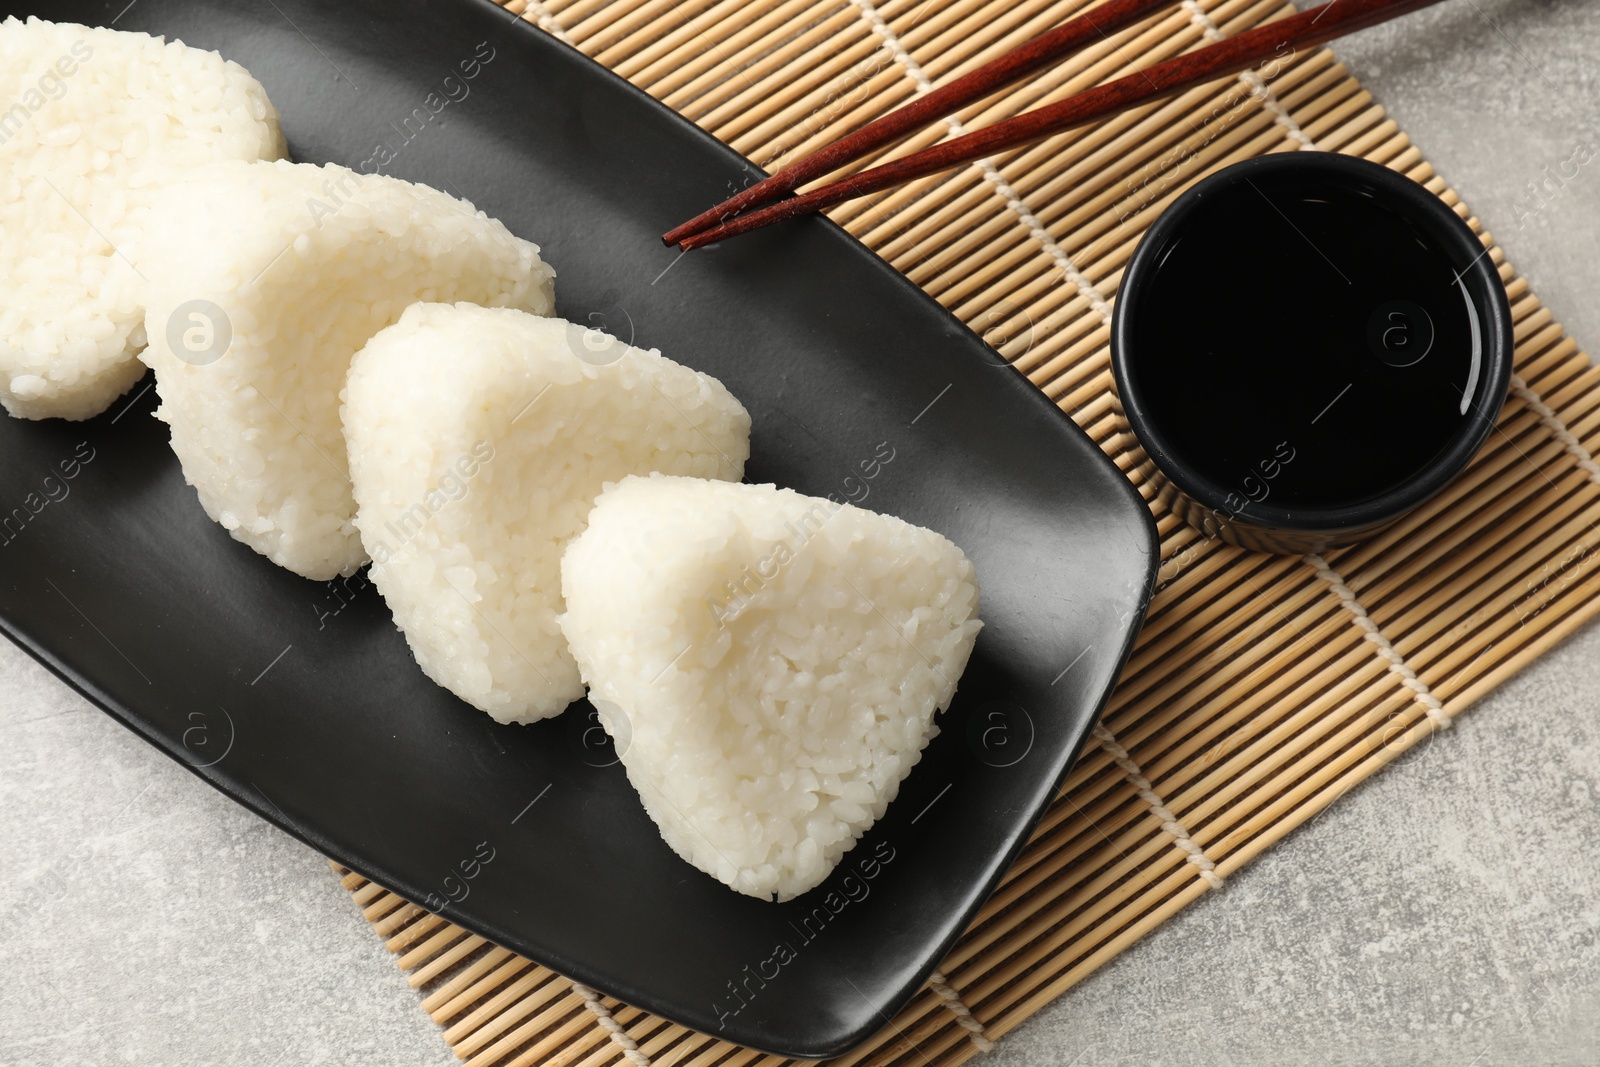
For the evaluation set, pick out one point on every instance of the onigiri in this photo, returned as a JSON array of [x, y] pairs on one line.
[[768, 664], [478, 440], [265, 279], [94, 123]]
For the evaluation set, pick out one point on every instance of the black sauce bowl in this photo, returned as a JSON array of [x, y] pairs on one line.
[[1230, 497]]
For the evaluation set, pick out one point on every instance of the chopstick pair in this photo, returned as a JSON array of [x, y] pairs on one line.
[[769, 200]]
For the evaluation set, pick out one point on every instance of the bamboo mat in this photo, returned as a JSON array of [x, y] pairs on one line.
[[1262, 687]]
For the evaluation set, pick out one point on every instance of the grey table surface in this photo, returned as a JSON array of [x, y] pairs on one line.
[[1445, 912]]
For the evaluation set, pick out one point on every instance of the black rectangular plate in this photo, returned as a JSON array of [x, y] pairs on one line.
[[301, 701]]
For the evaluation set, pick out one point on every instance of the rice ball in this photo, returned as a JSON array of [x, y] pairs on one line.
[[265, 279], [92, 123], [478, 440], [769, 664]]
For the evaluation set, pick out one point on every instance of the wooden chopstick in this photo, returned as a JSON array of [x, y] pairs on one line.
[[1276, 40], [1032, 55]]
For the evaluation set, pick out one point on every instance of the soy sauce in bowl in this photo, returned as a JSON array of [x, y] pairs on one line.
[[1309, 346]]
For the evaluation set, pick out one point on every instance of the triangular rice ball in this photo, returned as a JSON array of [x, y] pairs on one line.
[[478, 441], [770, 664]]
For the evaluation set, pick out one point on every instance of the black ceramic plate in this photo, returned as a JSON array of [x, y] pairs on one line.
[[301, 701]]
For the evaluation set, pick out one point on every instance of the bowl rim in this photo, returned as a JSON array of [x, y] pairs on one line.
[[1410, 199]]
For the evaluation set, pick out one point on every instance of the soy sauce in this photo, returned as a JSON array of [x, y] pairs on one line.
[[1303, 346]]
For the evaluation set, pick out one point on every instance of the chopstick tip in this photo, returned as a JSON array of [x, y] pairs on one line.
[[679, 233]]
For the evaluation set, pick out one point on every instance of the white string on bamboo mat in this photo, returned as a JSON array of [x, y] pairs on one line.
[[1391, 656], [952, 1000], [1194, 853], [1253, 81], [1013, 200], [619, 1036], [545, 21], [1553, 423]]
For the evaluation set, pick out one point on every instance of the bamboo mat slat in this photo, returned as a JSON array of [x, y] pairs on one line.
[[1262, 687]]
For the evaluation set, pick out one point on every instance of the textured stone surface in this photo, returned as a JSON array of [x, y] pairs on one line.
[[1447, 911]]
